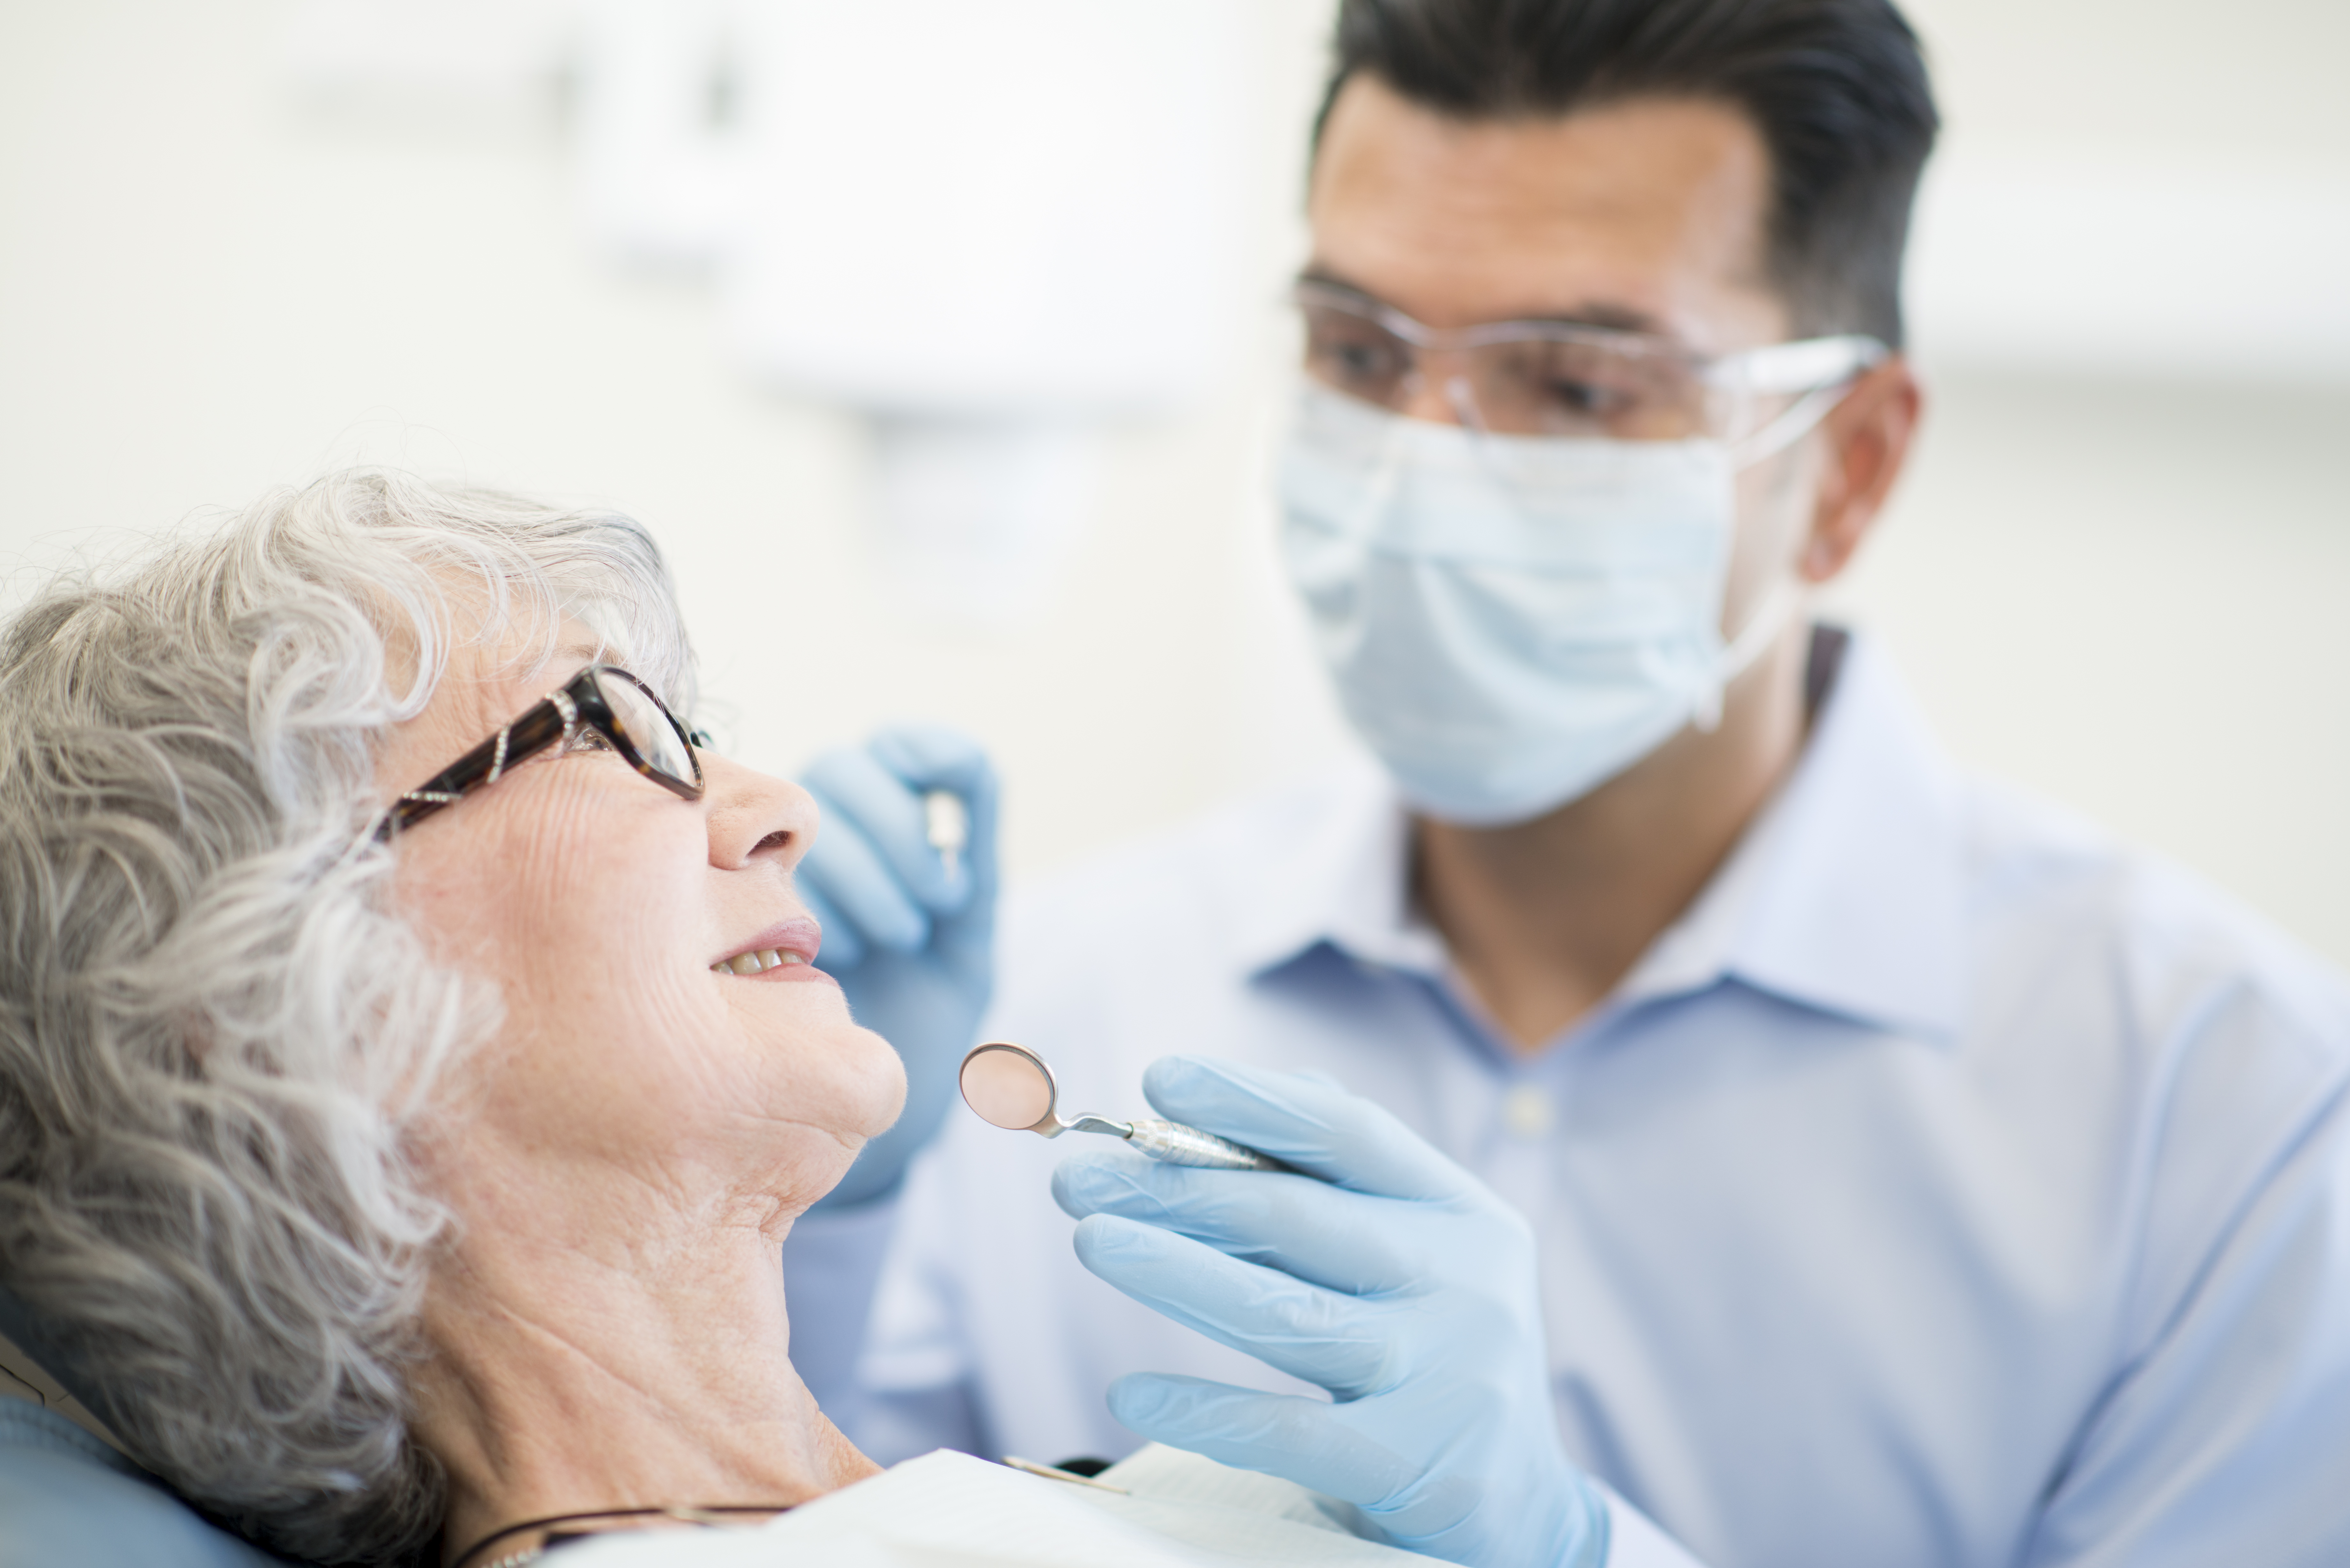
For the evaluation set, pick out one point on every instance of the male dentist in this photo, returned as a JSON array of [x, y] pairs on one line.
[[1786, 1139]]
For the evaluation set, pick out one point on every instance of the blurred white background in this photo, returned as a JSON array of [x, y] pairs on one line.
[[2114, 574]]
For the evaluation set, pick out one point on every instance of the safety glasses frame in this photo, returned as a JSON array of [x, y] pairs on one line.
[[1803, 365]]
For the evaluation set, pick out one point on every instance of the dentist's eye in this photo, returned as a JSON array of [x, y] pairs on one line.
[[1584, 398]]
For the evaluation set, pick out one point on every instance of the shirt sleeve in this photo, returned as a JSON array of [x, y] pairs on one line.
[[2227, 1439]]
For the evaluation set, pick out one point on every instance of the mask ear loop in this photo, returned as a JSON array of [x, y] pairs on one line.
[[1789, 426], [1779, 602], [1783, 600]]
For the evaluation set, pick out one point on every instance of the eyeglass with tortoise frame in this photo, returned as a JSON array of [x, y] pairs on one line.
[[602, 698]]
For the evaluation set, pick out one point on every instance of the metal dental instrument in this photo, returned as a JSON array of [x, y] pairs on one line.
[[1010, 1087], [946, 826]]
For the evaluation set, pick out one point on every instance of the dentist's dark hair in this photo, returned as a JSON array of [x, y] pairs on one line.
[[1837, 89]]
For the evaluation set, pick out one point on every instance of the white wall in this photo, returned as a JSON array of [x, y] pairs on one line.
[[2114, 583], [2116, 571]]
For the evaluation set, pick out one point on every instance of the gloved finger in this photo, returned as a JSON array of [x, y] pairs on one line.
[[842, 948], [889, 812], [843, 866], [1307, 1122], [933, 757], [1287, 1434], [1338, 1343], [1356, 1243]]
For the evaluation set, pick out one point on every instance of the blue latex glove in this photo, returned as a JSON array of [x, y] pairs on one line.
[[1396, 1282], [910, 941]]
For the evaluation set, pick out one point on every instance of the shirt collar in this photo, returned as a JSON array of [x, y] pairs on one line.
[[1844, 894], [1343, 877]]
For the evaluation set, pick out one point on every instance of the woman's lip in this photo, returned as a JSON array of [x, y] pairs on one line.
[[799, 935], [790, 974]]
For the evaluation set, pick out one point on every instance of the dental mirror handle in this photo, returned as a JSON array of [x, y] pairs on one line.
[[1172, 1143]]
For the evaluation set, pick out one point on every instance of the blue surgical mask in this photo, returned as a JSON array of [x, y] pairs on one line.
[[1511, 621]]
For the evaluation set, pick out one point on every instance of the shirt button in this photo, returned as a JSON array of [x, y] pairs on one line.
[[1526, 1111]]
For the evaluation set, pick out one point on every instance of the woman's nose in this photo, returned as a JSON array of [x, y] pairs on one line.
[[754, 815]]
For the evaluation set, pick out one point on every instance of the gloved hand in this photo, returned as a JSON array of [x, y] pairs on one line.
[[1396, 1282], [910, 941]]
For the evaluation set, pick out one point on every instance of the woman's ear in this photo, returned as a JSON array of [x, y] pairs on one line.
[[1868, 437]]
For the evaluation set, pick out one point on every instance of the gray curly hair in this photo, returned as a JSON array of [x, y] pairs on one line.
[[214, 1029]]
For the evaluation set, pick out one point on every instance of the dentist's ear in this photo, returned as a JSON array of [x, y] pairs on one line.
[[1868, 438]]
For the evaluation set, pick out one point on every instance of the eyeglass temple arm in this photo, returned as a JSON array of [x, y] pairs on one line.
[[1803, 365], [546, 722]]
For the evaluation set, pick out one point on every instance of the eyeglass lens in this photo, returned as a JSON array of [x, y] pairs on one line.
[[1519, 386], [646, 724]]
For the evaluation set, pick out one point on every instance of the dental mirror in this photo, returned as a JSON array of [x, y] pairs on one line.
[[1011, 1087]]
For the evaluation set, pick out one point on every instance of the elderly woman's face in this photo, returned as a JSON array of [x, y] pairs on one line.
[[611, 913]]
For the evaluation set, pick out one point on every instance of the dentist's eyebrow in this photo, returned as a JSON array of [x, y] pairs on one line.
[[1614, 318]]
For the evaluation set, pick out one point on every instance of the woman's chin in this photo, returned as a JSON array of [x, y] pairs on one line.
[[858, 1091], [883, 1082]]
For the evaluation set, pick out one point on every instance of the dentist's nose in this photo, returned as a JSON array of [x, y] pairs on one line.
[[1442, 400]]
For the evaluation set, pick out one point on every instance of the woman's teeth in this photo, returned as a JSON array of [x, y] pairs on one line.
[[752, 963]]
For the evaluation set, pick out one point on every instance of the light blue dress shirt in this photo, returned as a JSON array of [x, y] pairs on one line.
[[1949, 1186], [67, 1500]]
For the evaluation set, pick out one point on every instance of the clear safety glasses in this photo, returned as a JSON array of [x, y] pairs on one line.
[[603, 702], [1562, 379]]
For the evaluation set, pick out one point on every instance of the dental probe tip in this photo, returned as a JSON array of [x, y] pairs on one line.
[[946, 824]]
